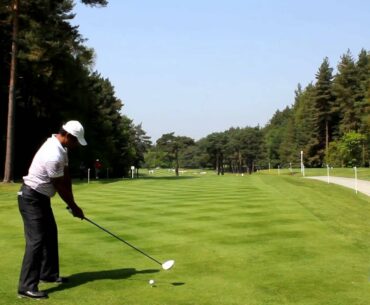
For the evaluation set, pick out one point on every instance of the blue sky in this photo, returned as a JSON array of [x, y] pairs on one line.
[[199, 66]]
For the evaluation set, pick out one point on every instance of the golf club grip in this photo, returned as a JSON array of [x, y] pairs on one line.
[[122, 240]]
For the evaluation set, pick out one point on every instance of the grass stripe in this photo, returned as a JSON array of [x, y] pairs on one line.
[[258, 239]]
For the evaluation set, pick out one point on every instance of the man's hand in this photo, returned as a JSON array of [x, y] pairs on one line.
[[77, 212]]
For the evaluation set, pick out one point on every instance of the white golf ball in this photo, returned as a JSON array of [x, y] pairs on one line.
[[151, 282]]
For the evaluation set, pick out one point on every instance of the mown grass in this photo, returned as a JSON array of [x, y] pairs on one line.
[[362, 173], [256, 239]]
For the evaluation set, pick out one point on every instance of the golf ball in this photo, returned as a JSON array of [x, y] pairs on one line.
[[151, 282]]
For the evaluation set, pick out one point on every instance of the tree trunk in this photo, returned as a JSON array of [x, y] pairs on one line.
[[363, 155], [239, 162], [177, 163], [222, 164], [218, 163], [8, 168]]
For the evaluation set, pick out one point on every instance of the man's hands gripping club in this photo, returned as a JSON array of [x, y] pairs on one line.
[[77, 212]]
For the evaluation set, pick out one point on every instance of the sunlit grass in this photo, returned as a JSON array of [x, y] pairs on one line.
[[362, 173], [252, 239]]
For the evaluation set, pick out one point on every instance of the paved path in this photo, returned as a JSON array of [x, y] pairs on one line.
[[363, 186]]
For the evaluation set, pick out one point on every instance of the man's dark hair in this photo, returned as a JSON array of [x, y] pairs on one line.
[[62, 131]]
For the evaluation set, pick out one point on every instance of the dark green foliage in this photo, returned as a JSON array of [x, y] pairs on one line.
[[55, 84], [236, 150], [322, 116], [244, 149], [215, 146], [174, 146], [274, 133], [347, 90], [95, 2], [348, 150]]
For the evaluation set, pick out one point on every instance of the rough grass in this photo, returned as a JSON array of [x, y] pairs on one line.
[[258, 239]]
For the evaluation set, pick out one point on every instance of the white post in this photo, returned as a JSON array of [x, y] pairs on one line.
[[302, 165], [290, 167], [355, 168], [132, 171], [301, 161], [278, 169], [88, 175], [269, 166], [328, 172]]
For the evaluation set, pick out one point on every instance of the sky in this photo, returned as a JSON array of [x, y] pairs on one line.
[[196, 67]]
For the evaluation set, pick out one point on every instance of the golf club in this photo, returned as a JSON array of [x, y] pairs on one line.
[[165, 266]]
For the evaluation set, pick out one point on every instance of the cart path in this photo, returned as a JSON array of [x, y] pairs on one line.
[[363, 186]]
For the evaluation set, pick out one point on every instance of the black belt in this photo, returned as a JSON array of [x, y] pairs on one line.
[[32, 191]]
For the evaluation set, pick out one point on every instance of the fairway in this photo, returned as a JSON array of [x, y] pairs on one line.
[[253, 240]]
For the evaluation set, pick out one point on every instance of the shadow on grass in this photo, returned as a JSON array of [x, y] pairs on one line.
[[142, 177], [169, 178], [84, 277], [93, 181]]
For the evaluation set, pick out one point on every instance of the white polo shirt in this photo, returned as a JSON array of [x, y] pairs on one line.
[[48, 163]]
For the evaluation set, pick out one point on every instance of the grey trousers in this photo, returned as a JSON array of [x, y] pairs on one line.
[[41, 259]]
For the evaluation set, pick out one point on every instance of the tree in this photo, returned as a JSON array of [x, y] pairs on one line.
[[324, 111], [363, 101], [155, 158], [348, 150], [52, 68], [252, 147], [274, 134], [141, 143], [173, 146], [95, 2], [8, 168], [233, 149], [346, 87], [215, 145], [304, 122]]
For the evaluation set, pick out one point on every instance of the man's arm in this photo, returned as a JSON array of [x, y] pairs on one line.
[[63, 185]]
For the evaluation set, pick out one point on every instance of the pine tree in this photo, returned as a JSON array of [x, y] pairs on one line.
[[303, 118], [53, 66], [274, 135], [346, 87], [363, 98], [324, 111], [363, 101]]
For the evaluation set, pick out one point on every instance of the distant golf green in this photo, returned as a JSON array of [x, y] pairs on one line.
[[258, 239]]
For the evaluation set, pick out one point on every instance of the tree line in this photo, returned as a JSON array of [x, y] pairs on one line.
[[54, 81], [329, 122]]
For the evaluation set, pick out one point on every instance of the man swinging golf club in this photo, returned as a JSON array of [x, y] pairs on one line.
[[47, 175]]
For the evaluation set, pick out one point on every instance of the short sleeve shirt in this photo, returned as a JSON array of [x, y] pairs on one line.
[[48, 163]]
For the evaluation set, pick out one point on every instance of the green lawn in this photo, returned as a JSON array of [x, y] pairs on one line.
[[254, 240], [362, 173]]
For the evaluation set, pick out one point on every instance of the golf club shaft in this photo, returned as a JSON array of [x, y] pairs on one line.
[[120, 239]]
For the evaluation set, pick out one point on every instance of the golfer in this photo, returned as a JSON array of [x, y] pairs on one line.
[[47, 175]]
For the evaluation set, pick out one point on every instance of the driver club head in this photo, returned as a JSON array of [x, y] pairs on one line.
[[168, 264]]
